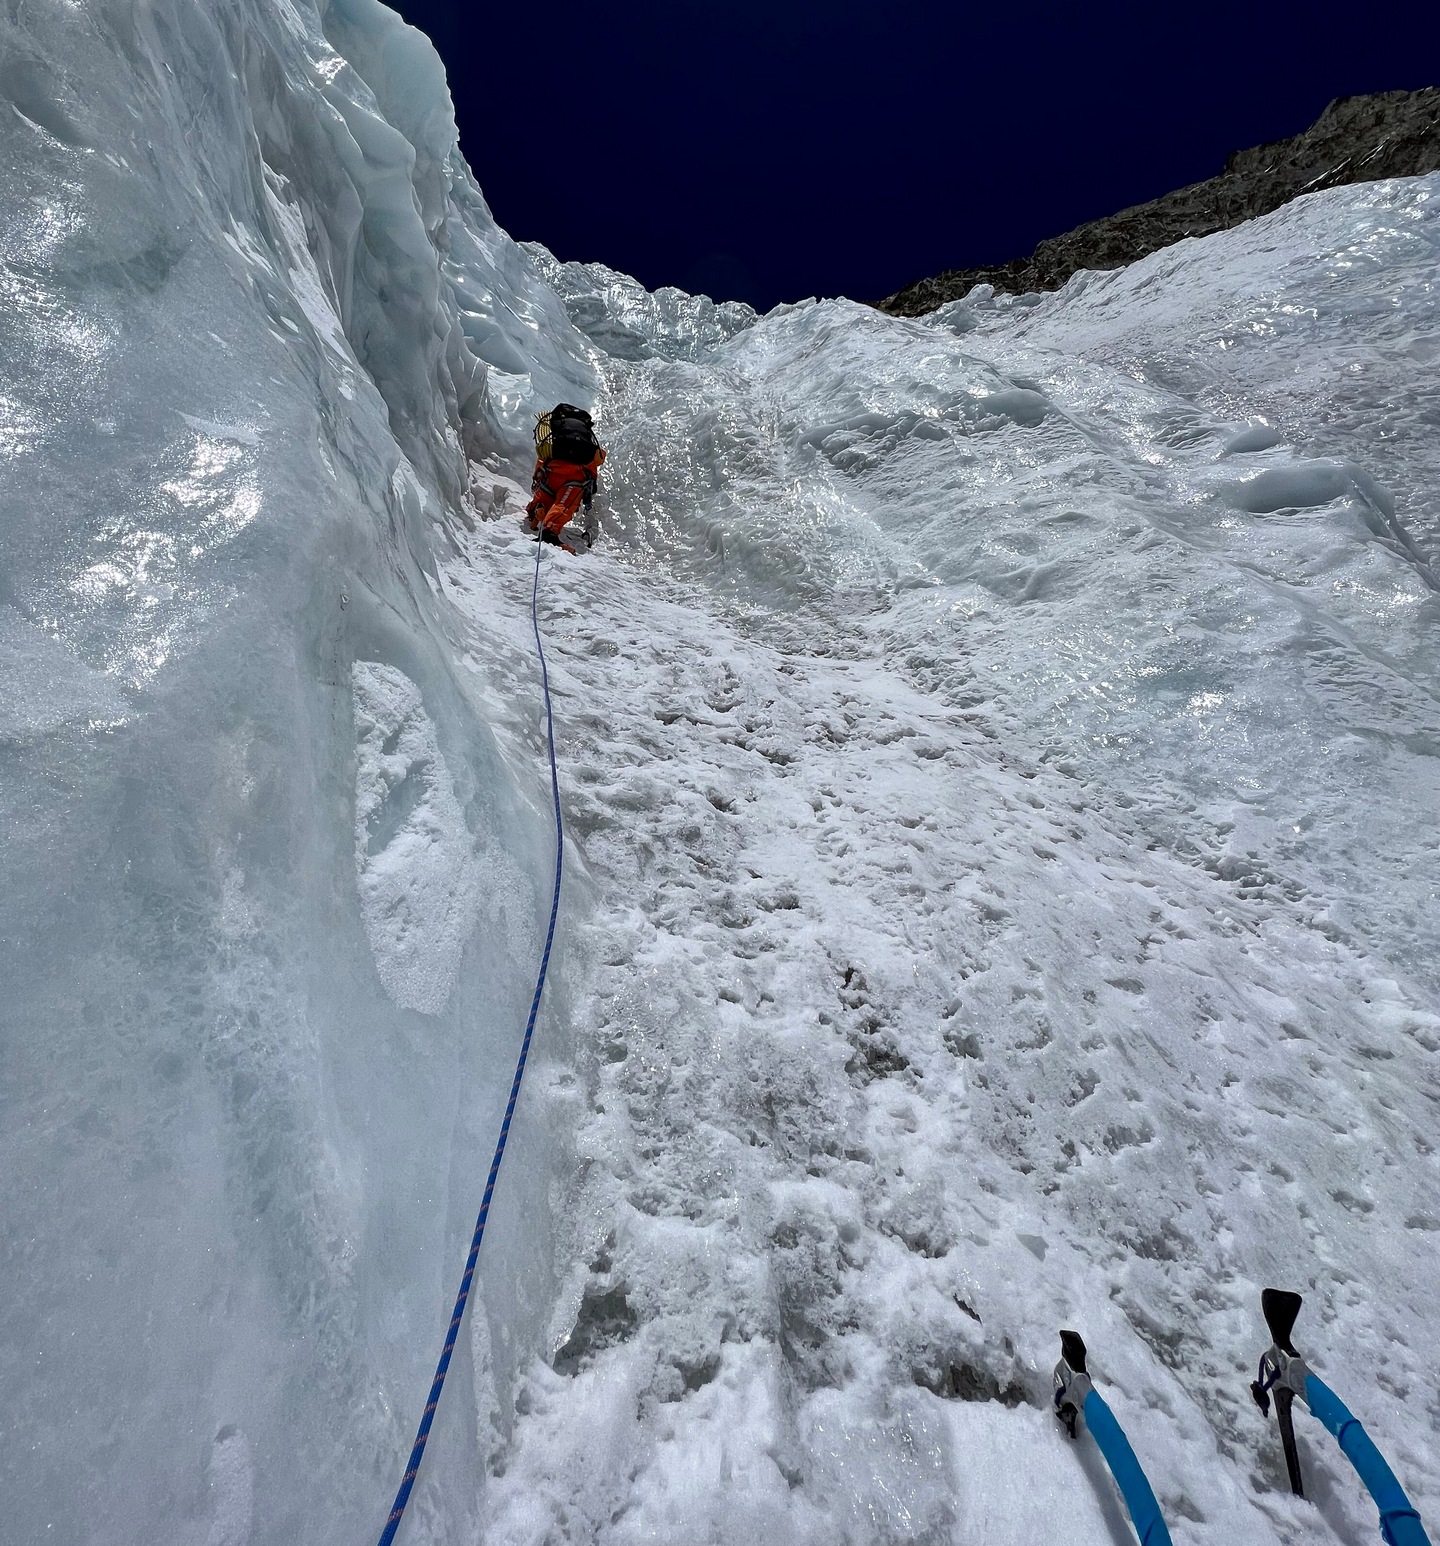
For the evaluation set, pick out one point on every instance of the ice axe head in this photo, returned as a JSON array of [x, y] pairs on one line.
[[1072, 1350], [1072, 1383], [1280, 1309]]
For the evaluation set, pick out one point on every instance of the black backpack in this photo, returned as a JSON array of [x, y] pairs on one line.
[[566, 434]]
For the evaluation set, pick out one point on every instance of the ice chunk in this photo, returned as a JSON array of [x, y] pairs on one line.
[[1259, 437], [1017, 403], [1297, 486]]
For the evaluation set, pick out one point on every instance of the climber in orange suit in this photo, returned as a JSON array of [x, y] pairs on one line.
[[567, 467]]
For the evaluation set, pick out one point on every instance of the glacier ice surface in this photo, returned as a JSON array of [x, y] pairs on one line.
[[999, 751]]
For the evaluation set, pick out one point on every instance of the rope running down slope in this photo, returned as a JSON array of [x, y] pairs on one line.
[[417, 1454]]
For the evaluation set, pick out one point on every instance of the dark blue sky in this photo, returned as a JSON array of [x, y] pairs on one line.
[[774, 149]]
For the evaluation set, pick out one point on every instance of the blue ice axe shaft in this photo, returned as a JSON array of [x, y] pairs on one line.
[[1125, 1468], [1074, 1394], [1399, 1522]]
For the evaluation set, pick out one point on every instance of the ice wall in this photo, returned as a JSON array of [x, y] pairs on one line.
[[255, 316], [1172, 528], [1017, 859]]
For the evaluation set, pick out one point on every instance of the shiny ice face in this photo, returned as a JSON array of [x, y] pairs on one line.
[[255, 324]]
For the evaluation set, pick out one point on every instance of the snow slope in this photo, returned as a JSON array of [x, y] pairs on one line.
[[1031, 739], [998, 754]]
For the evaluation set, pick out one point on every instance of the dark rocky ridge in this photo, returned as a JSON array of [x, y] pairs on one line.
[[1356, 139]]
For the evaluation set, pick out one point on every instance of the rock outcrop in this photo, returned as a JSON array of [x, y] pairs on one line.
[[1356, 139]]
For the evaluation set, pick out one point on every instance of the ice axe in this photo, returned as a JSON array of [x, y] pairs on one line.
[[1281, 1309], [1285, 1374]]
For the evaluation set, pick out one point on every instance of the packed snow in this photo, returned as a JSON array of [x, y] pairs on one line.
[[998, 754]]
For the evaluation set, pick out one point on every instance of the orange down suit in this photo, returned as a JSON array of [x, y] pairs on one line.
[[558, 489]]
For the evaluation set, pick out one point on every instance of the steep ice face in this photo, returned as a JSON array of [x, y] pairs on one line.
[[1012, 822], [255, 319], [903, 1047], [1035, 912], [1102, 523]]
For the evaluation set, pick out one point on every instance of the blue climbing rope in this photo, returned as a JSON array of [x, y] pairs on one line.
[[417, 1454]]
